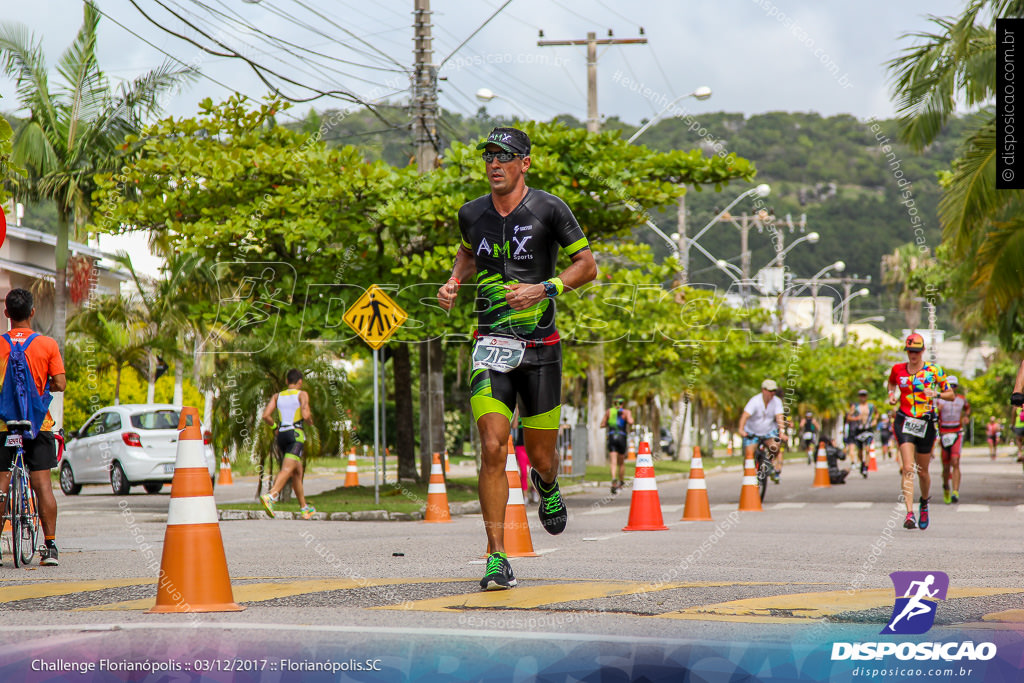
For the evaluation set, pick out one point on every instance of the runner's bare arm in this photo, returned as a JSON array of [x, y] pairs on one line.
[[307, 414], [59, 382], [582, 270], [464, 268], [268, 412]]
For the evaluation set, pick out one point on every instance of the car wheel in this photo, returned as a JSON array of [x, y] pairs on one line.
[[154, 487], [118, 482], [67, 481]]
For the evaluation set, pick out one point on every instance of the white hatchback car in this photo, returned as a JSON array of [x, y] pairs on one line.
[[125, 446]]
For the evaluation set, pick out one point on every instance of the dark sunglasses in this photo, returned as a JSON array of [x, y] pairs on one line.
[[503, 157]]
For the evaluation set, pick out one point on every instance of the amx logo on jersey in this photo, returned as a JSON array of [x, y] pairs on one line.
[[505, 249]]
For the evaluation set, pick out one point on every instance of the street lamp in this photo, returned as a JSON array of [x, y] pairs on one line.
[[486, 95], [863, 291], [701, 93], [811, 237]]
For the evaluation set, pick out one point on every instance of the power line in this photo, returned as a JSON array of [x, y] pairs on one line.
[[478, 29], [350, 33], [302, 68], [281, 41], [257, 68]]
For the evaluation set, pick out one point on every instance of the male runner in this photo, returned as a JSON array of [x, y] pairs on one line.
[[809, 435], [953, 416], [510, 241], [291, 408], [618, 420], [862, 419]]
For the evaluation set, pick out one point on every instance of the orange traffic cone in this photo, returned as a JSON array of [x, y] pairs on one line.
[[644, 504], [567, 461], [437, 495], [225, 478], [518, 542], [750, 496], [352, 471], [872, 463], [447, 468], [193, 570], [821, 478], [728, 448], [697, 507]]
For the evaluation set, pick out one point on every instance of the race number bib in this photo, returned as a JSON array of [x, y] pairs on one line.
[[13, 440], [949, 439], [808, 436], [500, 354], [914, 426]]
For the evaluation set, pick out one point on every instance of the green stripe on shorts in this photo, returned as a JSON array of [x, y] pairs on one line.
[[548, 420]]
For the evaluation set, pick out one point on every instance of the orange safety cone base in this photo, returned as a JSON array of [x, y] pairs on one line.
[[697, 507], [437, 511], [821, 478], [644, 504], [225, 478], [194, 572], [351, 473], [750, 495]]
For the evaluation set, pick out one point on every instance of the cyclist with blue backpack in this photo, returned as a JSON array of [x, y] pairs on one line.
[[31, 366]]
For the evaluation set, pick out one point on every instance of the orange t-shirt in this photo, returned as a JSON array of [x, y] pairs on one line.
[[44, 361]]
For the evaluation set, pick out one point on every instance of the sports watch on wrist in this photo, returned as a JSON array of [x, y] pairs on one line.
[[550, 289]]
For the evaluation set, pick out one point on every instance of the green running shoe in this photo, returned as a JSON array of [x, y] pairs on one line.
[[553, 515], [955, 497], [268, 503], [307, 511], [947, 497], [498, 575]]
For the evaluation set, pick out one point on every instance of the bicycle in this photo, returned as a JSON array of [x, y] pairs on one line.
[[763, 463], [20, 507]]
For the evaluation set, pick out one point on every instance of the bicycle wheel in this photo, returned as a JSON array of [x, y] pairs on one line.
[[762, 474], [14, 506], [29, 526]]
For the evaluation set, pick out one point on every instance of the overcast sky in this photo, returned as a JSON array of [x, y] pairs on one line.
[[756, 55]]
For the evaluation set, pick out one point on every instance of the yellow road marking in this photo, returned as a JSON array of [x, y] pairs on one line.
[[802, 607], [260, 592], [528, 597], [47, 590], [1010, 616]]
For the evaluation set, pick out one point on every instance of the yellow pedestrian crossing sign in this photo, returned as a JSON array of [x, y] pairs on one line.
[[375, 317]]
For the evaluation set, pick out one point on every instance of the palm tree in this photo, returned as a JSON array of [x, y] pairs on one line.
[[115, 330], [163, 306], [956, 65], [75, 130], [897, 272]]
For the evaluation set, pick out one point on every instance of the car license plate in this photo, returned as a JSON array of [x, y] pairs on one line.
[[13, 440], [168, 469]]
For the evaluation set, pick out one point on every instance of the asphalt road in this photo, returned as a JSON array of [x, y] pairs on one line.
[[813, 561]]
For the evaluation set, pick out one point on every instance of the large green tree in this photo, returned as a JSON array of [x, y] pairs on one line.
[[75, 128], [952, 66]]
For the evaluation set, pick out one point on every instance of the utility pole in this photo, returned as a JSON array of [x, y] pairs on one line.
[[424, 105], [592, 41], [595, 369]]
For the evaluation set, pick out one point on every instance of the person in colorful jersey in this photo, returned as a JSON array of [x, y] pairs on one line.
[[914, 386], [510, 242]]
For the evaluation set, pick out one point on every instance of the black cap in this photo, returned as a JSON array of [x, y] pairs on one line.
[[509, 139]]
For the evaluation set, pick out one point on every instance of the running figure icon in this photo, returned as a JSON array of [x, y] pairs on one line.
[[916, 605], [918, 594]]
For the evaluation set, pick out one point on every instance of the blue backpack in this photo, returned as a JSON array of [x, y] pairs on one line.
[[19, 399]]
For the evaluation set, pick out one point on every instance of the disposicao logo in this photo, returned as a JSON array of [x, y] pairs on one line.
[[917, 594]]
